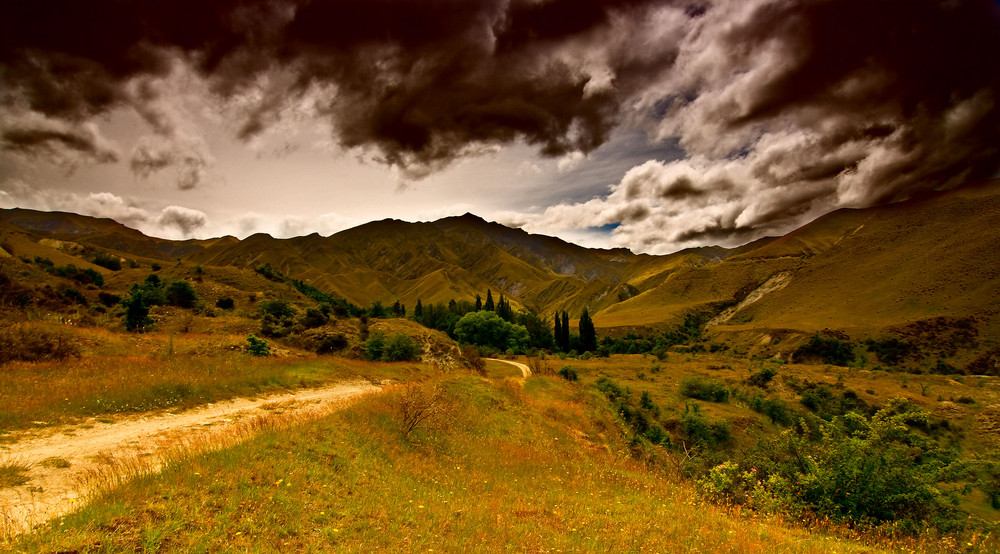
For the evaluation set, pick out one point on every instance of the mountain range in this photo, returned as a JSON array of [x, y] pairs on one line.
[[926, 269]]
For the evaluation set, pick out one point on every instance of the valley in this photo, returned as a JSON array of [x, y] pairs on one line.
[[872, 330]]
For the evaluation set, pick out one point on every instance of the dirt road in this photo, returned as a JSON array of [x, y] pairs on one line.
[[525, 370], [67, 463]]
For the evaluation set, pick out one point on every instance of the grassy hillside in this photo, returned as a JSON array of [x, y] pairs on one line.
[[536, 466], [919, 269]]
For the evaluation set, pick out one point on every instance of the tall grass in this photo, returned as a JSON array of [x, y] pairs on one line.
[[119, 376], [538, 467]]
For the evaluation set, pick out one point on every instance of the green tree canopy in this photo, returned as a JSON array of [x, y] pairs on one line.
[[488, 329]]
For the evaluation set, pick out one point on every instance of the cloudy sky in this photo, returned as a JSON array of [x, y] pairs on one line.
[[647, 124]]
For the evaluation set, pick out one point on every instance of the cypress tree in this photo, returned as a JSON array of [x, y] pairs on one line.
[[489, 301], [588, 335], [565, 331], [558, 331], [479, 303], [418, 312]]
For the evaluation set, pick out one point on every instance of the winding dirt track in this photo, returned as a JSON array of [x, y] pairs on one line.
[[525, 370], [68, 463]]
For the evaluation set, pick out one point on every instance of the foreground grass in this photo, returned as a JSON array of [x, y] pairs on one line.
[[535, 467], [46, 393]]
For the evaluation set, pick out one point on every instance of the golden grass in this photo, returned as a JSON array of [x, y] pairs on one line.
[[124, 373], [12, 474], [541, 467]]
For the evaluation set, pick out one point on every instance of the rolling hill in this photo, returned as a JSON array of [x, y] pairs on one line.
[[924, 269]]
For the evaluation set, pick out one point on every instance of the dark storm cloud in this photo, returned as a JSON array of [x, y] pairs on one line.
[[784, 109], [789, 109], [420, 82]]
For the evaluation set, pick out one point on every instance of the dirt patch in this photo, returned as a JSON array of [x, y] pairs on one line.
[[66, 464]]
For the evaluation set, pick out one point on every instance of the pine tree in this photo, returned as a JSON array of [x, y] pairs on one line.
[[418, 312], [489, 301], [479, 303], [588, 335], [558, 331]]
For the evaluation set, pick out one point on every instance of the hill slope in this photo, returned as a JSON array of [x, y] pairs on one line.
[[922, 266]]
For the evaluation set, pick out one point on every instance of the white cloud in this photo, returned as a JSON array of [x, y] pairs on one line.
[[570, 161]]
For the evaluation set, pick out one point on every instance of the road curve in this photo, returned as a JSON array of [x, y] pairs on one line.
[[525, 370]]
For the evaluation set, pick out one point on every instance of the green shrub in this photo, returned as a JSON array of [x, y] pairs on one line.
[[108, 299], [225, 303], [331, 343], [830, 350], [107, 261], [711, 391], [74, 295], [610, 389], [314, 318], [698, 431], [860, 470], [277, 309], [774, 408], [181, 294], [762, 378], [136, 310], [568, 374], [257, 346], [400, 348]]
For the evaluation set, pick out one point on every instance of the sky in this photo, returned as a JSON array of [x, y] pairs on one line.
[[653, 125]]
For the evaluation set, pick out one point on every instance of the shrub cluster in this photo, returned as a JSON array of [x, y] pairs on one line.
[[711, 391], [397, 348], [20, 342]]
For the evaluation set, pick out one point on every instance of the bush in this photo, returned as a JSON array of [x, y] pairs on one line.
[[610, 389], [107, 261], [762, 378], [225, 303], [258, 347], [400, 348], [774, 408], [331, 343], [136, 310], [313, 318], [277, 309], [697, 430], [19, 342], [471, 355], [108, 299], [375, 345], [711, 391], [862, 470], [181, 294], [568, 374], [830, 350], [74, 295]]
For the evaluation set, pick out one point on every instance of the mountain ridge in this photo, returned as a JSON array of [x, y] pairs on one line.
[[867, 271]]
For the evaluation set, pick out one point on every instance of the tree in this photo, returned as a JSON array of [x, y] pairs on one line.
[[558, 331], [418, 312], [258, 347], [479, 303], [181, 294], [489, 301], [588, 335], [564, 339], [136, 310], [400, 348], [487, 329]]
